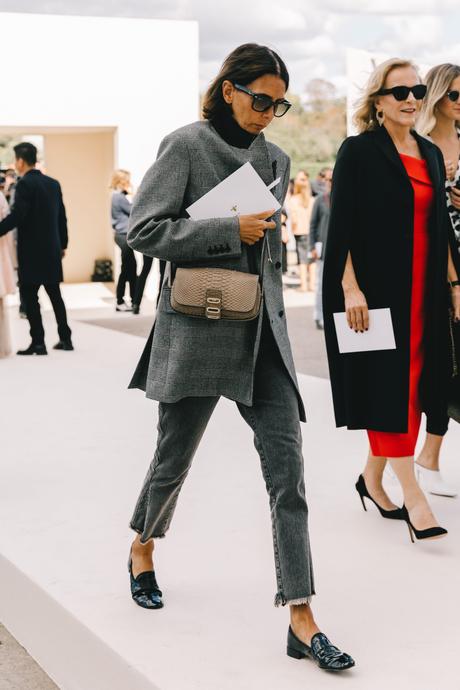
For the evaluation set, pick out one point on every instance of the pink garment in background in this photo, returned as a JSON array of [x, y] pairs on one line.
[[7, 253]]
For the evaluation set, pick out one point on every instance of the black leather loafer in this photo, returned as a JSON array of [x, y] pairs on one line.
[[326, 655], [33, 350], [144, 589]]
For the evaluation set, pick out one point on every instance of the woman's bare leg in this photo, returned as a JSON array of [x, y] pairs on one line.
[[415, 500], [429, 455], [142, 556], [303, 271], [303, 622], [373, 474]]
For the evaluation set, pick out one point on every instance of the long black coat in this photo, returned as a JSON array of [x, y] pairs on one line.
[[39, 215], [372, 216]]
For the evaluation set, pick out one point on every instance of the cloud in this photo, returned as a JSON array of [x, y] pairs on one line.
[[311, 35], [415, 33], [390, 6]]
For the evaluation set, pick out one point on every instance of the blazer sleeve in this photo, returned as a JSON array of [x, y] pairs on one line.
[[63, 234], [343, 212], [156, 227], [20, 210]]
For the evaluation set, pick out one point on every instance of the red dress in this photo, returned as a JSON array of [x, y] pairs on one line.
[[401, 445]]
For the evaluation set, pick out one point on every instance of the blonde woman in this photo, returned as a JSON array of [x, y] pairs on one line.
[[301, 206], [7, 281], [388, 215], [121, 210], [439, 121]]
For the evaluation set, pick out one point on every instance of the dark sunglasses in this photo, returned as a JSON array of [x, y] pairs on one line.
[[401, 93], [261, 103], [453, 95]]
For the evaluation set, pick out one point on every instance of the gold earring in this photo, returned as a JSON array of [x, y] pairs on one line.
[[380, 117]]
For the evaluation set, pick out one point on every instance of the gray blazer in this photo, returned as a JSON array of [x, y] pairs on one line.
[[186, 356]]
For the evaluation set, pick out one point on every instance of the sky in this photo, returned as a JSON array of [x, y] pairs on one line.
[[310, 35]]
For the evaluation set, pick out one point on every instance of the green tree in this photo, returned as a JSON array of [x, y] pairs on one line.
[[313, 129]]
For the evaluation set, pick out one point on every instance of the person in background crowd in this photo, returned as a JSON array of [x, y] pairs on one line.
[[300, 207], [439, 120], [39, 215], [391, 245], [11, 180], [121, 209], [317, 242], [318, 185], [10, 185], [140, 282], [284, 239], [7, 280]]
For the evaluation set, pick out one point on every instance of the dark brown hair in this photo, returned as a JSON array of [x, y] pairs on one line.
[[244, 65]]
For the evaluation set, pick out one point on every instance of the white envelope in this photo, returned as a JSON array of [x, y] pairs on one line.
[[380, 335], [241, 193]]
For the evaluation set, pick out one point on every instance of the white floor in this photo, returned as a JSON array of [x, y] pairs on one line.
[[75, 445]]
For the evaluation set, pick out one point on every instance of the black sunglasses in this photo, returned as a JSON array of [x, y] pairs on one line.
[[401, 93], [453, 95], [261, 102]]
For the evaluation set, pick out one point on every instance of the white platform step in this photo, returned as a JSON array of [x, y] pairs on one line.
[[74, 448]]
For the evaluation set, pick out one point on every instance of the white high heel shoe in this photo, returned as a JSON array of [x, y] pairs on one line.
[[433, 482]]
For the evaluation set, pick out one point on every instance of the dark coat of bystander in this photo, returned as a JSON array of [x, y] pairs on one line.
[[39, 215], [372, 216]]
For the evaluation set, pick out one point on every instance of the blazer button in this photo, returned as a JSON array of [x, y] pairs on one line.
[[281, 313], [278, 265]]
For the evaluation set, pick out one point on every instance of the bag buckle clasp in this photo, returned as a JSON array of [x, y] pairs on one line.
[[213, 304]]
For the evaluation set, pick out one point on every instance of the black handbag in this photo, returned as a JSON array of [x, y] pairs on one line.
[[453, 406]]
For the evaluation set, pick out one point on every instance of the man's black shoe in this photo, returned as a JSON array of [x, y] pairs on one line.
[[33, 350], [63, 345]]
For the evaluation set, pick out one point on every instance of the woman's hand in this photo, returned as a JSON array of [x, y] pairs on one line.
[[450, 170], [253, 227], [455, 197], [455, 295], [356, 308]]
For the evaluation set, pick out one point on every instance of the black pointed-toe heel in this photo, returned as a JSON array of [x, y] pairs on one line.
[[430, 533], [361, 488], [327, 656], [144, 588]]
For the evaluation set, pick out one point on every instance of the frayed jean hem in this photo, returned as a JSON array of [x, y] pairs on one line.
[[280, 600]]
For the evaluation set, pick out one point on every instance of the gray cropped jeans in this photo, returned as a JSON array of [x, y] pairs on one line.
[[274, 419]]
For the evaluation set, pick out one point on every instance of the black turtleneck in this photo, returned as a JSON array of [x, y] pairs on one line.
[[228, 128]]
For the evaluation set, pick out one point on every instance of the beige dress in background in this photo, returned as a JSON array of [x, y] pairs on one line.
[[7, 280]]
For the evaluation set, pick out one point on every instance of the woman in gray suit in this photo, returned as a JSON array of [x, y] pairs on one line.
[[188, 363]]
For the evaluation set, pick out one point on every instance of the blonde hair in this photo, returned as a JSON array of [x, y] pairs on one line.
[[304, 193], [438, 80], [365, 115], [120, 178]]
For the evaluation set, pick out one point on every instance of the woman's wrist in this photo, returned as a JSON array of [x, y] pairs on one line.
[[349, 287]]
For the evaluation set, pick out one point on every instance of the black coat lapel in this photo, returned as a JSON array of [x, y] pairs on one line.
[[385, 143]]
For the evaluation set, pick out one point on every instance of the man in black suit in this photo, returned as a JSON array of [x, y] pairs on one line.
[[39, 215]]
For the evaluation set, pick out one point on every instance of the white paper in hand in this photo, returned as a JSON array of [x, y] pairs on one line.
[[380, 335], [242, 193]]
